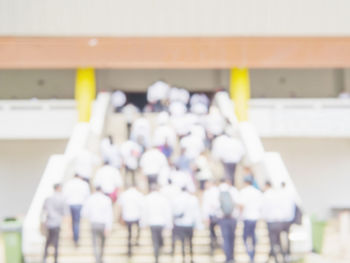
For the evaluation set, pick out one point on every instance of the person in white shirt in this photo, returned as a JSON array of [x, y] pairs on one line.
[[85, 164], [202, 170], [164, 137], [131, 152], [131, 202], [141, 133], [130, 112], [110, 181], [199, 103], [250, 203], [210, 210], [187, 216], [110, 152], [99, 212], [170, 191], [157, 94], [193, 146], [163, 134], [156, 214], [75, 192], [182, 179], [179, 95], [228, 199], [152, 162], [118, 99], [271, 213], [214, 123], [229, 151]]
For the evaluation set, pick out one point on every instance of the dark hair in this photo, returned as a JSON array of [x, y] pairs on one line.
[[268, 183], [98, 188], [170, 181], [56, 186]]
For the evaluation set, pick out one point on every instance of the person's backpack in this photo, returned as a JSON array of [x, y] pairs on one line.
[[226, 203]]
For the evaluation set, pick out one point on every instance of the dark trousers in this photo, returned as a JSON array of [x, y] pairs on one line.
[[230, 169], [152, 179], [52, 238], [275, 229], [249, 238], [157, 240], [285, 229], [228, 229], [213, 221], [75, 212], [130, 225], [202, 184], [98, 240], [185, 234]]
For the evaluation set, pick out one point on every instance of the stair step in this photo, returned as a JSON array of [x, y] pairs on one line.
[[148, 259]]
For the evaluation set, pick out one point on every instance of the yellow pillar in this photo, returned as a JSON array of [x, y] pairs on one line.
[[85, 92], [240, 92]]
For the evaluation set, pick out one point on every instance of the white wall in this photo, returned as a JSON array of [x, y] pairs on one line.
[[319, 168], [22, 164], [175, 18]]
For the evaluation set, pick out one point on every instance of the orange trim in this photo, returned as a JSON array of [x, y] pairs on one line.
[[174, 52]]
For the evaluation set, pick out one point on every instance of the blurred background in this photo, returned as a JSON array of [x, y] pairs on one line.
[[297, 55]]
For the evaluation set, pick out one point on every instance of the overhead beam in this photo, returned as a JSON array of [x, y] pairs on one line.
[[174, 52]]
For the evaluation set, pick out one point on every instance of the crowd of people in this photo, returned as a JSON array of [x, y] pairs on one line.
[[174, 156]]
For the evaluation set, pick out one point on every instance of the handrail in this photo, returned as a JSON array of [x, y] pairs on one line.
[[59, 169], [37, 105]]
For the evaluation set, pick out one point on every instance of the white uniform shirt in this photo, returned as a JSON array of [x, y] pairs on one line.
[[85, 163], [130, 112], [164, 134], [177, 108], [98, 209], [215, 123], [250, 198], [187, 210], [170, 191], [108, 178], [76, 191], [156, 211], [141, 130], [288, 205], [131, 202], [210, 203], [130, 151], [271, 205], [118, 98], [110, 153], [157, 91], [179, 95], [182, 179], [204, 171], [152, 162], [227, 149], [193, 146]]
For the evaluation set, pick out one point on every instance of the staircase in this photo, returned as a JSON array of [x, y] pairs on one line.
[[116, 243], [116, 247]]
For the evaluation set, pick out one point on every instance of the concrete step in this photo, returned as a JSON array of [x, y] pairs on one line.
[[148, 259], [70, 249]]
